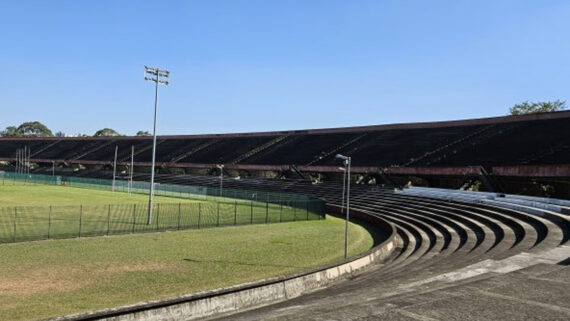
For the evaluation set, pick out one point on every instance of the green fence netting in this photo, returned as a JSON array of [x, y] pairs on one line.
[[232, 207]]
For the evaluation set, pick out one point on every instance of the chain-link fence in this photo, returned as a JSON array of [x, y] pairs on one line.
[[26, 223]]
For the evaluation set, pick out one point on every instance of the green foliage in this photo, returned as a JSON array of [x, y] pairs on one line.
[[10, 131], [106, 132], [537, 107], [34, 129], [27, 129], [143, 133]]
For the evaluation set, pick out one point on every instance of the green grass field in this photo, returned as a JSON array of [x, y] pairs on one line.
[[45, 195], [35, 212], [49, 278]]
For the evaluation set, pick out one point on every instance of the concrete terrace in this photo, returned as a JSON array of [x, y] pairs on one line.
[[459, 258]]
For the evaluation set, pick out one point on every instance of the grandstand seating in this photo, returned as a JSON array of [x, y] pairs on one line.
[[521, 140]]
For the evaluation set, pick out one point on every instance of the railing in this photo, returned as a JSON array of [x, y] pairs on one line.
[[205, 209]]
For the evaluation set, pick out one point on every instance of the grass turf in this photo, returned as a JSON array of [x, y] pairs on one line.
[[49, 278], [46, 195], [34, 212]]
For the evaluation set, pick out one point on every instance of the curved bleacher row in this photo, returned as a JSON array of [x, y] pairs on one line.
[[451, 244]]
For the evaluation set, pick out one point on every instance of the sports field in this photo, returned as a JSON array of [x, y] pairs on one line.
[[55, 277], [35, 212], [55, 195]]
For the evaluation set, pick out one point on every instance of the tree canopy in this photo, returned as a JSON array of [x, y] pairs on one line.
[[106, 132], [537, 107], [143, 133], [10, 131], [27, 129]]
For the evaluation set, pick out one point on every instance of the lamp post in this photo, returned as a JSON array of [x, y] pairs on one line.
[[347, 163], [221, 167], [343, 188], [158, 76]]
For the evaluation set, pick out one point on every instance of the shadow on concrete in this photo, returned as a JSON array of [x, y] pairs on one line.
[[565, 262]]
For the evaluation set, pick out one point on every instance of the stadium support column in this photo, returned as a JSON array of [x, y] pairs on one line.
[[157, 76]]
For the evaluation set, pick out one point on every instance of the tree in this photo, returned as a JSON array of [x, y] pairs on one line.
[[27, 129], [537, 107], [34, 129], [143, 133], [10, 131], [106, 132]]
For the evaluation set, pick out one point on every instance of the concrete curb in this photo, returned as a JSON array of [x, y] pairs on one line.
[[249, 295]]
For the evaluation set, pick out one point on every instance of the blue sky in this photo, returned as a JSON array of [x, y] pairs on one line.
[[241, 66]]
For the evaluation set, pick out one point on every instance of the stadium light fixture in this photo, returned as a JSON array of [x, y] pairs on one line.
[[221, 167], [158, 76], [347, 163]]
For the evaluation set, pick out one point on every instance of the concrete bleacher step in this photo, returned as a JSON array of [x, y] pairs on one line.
[[547, 200], [456, 256]]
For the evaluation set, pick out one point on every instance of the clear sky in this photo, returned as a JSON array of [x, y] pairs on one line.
[[241, 65]]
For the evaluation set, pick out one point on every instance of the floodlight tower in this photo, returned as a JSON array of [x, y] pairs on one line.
[[158, 76], [347, 161]]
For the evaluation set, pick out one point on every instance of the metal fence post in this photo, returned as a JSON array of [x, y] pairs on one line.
[[307, 202], [251, 211], [157, 214], [294, 211], [80, 215], [49, 222], [218, 211], [266, 212], [235, 213], [280, 210], [15, 218], [199, 213], [108, 219], [179, 214], [134, 216]]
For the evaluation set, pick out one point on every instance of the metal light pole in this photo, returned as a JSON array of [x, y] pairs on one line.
[[221, 167], [347, 163], [343, 188], [158, 76]]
